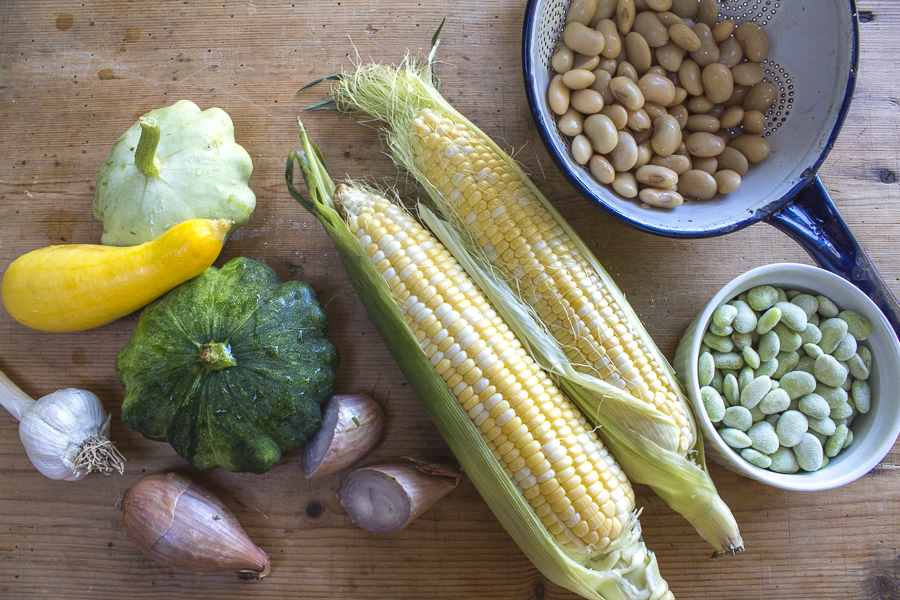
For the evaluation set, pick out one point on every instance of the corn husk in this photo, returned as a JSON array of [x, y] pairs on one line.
[[625, 570], [643, 440]]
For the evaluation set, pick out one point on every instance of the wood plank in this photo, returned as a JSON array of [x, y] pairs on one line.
[[75, 75]]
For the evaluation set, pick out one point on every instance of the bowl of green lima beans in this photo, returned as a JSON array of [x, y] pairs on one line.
[[793, 376]]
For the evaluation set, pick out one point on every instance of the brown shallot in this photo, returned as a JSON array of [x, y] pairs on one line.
[[386, 498], [351, 426], [178, 524]]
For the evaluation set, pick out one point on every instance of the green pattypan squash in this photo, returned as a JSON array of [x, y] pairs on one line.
[[174, 164], [230, 368]]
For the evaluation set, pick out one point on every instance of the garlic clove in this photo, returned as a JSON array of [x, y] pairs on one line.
[[179, 524]]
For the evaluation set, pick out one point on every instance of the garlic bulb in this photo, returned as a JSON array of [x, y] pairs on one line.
[[66, 433]]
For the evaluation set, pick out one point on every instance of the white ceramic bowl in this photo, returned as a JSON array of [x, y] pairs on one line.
[[874, 433]]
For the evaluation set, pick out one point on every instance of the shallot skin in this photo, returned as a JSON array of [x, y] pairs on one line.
[[179, 524], [351, 426]]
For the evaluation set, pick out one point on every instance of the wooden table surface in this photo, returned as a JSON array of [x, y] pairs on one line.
[[75, 75]]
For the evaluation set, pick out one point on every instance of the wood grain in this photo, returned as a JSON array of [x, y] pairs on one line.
[[75, 75]]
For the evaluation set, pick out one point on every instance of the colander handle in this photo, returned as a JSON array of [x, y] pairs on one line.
[[812, 220]]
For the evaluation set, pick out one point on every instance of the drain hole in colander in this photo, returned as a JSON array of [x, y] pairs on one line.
[[758, 11], [784, 99]]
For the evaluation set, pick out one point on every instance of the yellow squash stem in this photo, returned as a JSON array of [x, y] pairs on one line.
[[571, 315], [531, 454]]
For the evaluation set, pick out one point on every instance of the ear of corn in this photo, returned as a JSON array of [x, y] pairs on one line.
[[574, 319], [512, 431]]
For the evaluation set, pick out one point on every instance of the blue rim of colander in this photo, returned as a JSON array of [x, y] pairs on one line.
[[560, 158]]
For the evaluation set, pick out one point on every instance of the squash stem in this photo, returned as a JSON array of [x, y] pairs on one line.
[[216, 356], [145, 156]]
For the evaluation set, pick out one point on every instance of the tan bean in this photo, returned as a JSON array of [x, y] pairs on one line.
[[625, 13], [704, 144], [601, 169], [697, 184], [625, 185], [562, 59], [754, 147], [680, 96], [682, 150], [613, 40], [657, 70], [680, 113], [617, 114], [581, 149], [730, 52], [731, 117], [640, 136], [733, 160], [645, 153], [761, 97], [716, 111], [602, 132], [668, 18], [754, 40], [708, 13], [578, 79], [700, 104], [584, 40], [659, 5], [725, 135], [587, 101], [657, 89], [582, 11], [649, 26], [675, 162], [601, 84], [638, 52], [718, 84], [709, 51], [684, 37], [606, 9], [654, 111], [689, 77], [670, 56], [754, 122], [708, 164], [666, 135], [685, 8], [627, 92], [722, 30], [655, 176], [737, 97], [608, 64], [727, 181], [558, 95], [661, 198], [586, 63], [702, 122], [571, 122], [624, 155], [748, 73], [626, 69], [639, 120]]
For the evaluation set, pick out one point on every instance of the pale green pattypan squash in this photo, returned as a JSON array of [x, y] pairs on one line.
[[174, 164]]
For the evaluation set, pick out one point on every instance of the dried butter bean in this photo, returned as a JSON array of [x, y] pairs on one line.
[[657, 89], [583, 39], [558, 95], [833, 331], [587, 101], [659, 177], [571, 123], [763, 437], [617, 114], [697, 184], [686, 9], [669, 56], [624, 155], [563, 58], [666, 136], [581, 149], [730, 53], [578, 79], [708, 13], [684, 37], [625, 185], [760, 97], [651, 28], [638, 121], [754, 122], [857, 325], [602, 132], [613, 42], [601, 85], [735, 438], [748, 73], [626, 69], [582, 11], [638, 50], [754, 40], [718, 83], [700, 104], [627, 92], [689, 77], [661, 198], [625, 14], [708, 53], [733, 160], [727, 181], [675, 162], [756, 458], [753, 147], [815, 406], [702, 123], [861, 394], [655, 111], [606, 9], [784, 461], [722, 30], [659, 5], [586, 63], [809, 453], [731, 117], [601, 169]]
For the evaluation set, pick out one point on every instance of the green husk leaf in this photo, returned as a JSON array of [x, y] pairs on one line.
[[642, 440], [625, 570]]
